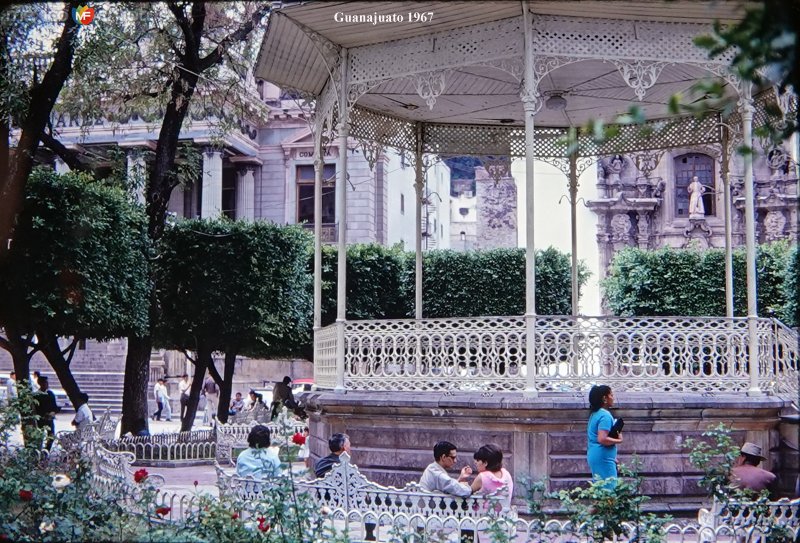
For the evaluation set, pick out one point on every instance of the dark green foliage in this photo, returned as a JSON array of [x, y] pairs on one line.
[[376, 283], [234, 285], [688, 282], [380, 283], [790, 313], [77, 265]]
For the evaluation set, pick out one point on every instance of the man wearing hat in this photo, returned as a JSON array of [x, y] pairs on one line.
[[746, 474]]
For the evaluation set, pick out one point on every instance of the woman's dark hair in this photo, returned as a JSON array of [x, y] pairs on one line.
[[596, 395], [492, 455], [259, 437]]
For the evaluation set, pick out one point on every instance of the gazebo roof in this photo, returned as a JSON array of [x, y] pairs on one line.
[[463, 67]]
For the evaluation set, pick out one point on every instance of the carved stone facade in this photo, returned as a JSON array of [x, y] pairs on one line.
[[643, 200], [496, 211]]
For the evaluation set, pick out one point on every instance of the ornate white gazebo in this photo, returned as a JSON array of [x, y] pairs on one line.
[[471, 78]]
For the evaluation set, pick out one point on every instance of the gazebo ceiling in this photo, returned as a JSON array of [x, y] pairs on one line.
[[296, 53]]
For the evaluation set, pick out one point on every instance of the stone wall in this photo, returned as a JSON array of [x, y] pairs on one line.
[[393, 434]]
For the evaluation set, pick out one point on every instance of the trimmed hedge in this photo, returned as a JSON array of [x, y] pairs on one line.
[[689, 282], [380, 283]]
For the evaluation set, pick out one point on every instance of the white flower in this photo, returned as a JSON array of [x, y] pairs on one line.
[[60, 481], [325, 511], [46, 527]]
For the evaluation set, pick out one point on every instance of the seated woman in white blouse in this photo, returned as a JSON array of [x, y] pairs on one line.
[[259, 461]]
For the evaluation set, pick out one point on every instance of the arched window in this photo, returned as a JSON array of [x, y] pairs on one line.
[[686, 167]]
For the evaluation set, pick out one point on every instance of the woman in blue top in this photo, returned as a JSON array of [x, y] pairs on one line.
[[602, 450], [260, 461]]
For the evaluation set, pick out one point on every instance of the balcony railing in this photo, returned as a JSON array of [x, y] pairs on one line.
[[669, 354], [330, 231]]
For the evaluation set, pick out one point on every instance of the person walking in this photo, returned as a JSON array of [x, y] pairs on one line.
[[165, 400], [157, 398], [211, 392], [184, 385], [602, 450]]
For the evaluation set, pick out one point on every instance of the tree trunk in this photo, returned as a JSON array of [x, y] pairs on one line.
[[42, 98], [226, 385], [52, 351], [137, 376], [200, 365]]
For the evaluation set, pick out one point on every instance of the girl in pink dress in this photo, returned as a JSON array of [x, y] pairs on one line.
[[492, 476]]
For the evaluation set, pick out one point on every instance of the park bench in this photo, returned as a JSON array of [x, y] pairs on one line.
[[346, 489], [113, 472], [748, 519], [232, 436], [104, 428], [259, 413]]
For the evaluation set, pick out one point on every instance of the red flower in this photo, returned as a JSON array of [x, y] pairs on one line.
[[140, 475], [299, 439], [234, 516], [263, 525], [162, 511], [25, 495]]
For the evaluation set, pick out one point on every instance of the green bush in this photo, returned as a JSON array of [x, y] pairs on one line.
[[790, 313], [380, 283], [688, 282]]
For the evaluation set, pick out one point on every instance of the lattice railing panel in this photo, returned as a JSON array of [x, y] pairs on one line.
[[386, 130], [453, 48], [780, 364], [614, 38], [691, 354], [325, 357]]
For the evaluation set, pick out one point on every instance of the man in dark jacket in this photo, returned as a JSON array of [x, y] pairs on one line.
[[46, 409], [338, 443], [282, 395]]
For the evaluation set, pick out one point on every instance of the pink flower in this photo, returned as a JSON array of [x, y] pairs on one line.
[[25, 495], [140, 475], [162, 511]]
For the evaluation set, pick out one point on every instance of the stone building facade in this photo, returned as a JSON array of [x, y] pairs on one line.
[[646, 200]]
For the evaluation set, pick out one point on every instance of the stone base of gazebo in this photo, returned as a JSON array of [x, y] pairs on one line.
[[393, 433]]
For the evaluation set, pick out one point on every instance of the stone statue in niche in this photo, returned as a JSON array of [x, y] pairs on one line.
[[696, 190], [615, 166], [773, 225], [621, 228]]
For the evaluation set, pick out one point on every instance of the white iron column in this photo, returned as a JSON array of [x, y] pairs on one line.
[[137, 173], [573, 215], [61, 167], [341, 212], [211, 203], [726, 199], [750, 242], [245, 194], [317, 236], [529, 103], [419, 186]]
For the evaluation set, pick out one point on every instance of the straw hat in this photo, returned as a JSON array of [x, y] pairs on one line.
[[753, 450]]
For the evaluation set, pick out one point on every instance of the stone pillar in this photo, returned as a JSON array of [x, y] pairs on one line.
[[643, 221], [61, 167], [245, 194], [137, 174], [750, 243], [211, 204], [341, 219]]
